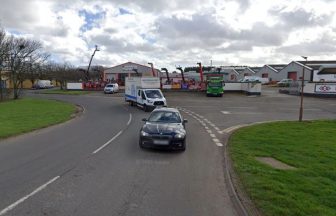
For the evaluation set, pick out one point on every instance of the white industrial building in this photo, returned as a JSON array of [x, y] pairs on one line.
[[119, 72], [270, 71]]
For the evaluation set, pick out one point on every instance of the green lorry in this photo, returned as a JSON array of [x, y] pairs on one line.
[[215, 86]]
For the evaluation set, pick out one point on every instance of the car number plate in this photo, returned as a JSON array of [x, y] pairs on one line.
[[161, 142]]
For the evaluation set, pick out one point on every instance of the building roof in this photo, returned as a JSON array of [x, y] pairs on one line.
[[317, 62], [129, 70], [327, 69], [254, 69], [131, 63], [276, 67]]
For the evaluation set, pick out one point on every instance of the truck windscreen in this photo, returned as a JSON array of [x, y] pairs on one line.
[[153, 93], [215, 84]]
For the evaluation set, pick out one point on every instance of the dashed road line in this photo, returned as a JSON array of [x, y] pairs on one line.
[[108, 142], [12, 206], [230, 129], [130, 119], [219, 144], [226, 112]]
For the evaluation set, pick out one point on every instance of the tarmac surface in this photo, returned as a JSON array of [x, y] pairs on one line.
[[92, 165]]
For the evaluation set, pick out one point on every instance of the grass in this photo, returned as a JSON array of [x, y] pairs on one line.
[[65, 92], [308, 146], [23, 115]]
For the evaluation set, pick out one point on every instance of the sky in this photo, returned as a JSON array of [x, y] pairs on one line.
[[176, 32]]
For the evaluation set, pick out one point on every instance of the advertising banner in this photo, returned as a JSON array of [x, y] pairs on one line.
[[325, 88]]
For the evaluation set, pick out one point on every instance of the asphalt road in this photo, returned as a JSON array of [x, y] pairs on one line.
[[92, 165]]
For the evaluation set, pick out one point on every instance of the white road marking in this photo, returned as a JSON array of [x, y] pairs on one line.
[[216, 140], [226, 112], [212, 135], [230, 129], [12, 206], [219, 144], [212, 124], [240, 107], [209, 131], [206, 128], [107, 143], [217, 128], [130, 119]]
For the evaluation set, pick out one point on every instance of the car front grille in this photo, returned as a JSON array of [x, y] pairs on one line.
[[158, 103]]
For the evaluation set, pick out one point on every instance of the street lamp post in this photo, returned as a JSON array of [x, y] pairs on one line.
[[302, 85], [88, 70]]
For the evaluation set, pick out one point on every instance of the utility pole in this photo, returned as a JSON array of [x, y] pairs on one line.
[[302, 85]]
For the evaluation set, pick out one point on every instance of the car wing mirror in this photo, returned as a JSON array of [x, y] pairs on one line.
[[144, 119]]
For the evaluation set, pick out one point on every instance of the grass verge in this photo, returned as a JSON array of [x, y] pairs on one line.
[[23, 115], [308, 146], [65, 92]]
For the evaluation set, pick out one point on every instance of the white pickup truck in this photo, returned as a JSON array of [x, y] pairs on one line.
[[144, 92]]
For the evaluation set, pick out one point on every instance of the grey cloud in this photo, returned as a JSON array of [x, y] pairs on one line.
[[301, 18], [17, 14], [262, 35], [204, 31], [114, 45], [200, 25], [324, 45]]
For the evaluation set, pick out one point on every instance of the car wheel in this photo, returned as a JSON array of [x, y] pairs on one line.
[[140, 144], [145, 108], [183, 148]]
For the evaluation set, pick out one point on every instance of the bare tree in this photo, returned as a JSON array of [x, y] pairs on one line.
[[34, 68], [63, 73], [3, 52], [22, 53]]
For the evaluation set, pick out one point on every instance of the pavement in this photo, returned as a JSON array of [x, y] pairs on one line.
[[92, 165]]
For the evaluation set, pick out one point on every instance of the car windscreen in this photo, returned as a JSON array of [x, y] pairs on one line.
[[215, 84], [164, 117], [153, 93], [110, 85]]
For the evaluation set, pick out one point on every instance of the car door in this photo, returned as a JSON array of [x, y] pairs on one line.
[[139, 97]]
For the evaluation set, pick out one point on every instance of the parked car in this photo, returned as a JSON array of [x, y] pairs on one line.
[[165, 128], [285, 82], [254, 79], [43, 84], [111, 88]]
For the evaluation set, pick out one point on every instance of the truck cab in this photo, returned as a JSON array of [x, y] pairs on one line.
[[144, 92], [215, 86], [150, 98]]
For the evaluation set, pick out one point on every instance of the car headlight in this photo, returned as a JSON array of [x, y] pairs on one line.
[[179, 135], [149, 101], [143, 133]]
